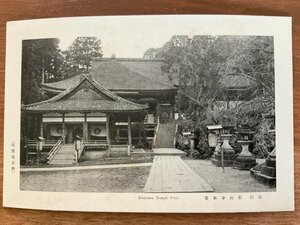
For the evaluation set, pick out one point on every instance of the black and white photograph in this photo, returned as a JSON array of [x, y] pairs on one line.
[[132, 110]]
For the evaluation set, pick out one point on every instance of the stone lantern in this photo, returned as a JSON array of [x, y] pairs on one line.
[[224, 155], [192, 144], [271, 160], [245, 160]]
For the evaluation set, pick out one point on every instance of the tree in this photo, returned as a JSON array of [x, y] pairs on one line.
[[41, 61], [197, 64], [253, 57], [79, 55]]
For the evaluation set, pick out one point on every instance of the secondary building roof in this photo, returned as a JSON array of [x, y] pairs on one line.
[[86, 95], [138, 74], [122, 74]]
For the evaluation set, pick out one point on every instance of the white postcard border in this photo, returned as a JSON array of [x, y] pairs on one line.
[[281, 200]]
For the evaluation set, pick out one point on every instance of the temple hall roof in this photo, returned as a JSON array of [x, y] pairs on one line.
[[122, 74], [86, 95]]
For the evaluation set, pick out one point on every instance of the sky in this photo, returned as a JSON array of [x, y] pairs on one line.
[[131, 36], [127, 37], [123, 47]]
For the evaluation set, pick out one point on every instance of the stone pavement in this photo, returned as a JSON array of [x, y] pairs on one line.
[[168, 151], [171, 174]]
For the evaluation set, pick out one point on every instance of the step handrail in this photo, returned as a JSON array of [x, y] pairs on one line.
[[175, 134], [54, 150], [156, 131]]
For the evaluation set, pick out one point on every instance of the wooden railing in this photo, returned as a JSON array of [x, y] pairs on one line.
[[95, 143], [46, 143], [53, 151]]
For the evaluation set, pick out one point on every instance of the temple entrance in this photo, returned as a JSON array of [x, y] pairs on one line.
[[73, 130], [165, 113]]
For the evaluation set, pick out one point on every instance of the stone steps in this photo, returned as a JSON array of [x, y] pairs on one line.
[[165, 135], [64, 156], [62, 162]]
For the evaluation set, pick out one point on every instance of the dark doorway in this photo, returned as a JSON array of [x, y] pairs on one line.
[[73, 130]]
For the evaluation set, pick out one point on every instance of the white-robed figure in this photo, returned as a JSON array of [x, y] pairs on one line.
[[77, 145]]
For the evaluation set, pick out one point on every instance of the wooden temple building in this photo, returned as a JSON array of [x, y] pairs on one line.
[[121, 103], [117, 105]]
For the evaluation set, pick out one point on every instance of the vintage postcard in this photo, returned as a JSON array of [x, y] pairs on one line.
[[174, 113]]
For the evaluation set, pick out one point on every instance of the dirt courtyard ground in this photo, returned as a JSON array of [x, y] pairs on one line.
[[232, 180], [133, 179], [126, 179]]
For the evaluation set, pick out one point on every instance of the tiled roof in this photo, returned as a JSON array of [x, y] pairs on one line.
[[137, 74], [85, 96], [84, 106], [123, 74]]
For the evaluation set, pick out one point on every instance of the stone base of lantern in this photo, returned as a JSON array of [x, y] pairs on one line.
[[271, 161], [228, 158], [266, 172], [244, 162]]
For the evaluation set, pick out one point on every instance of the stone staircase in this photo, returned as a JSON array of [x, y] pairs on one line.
[[64, 156], [165, 135]]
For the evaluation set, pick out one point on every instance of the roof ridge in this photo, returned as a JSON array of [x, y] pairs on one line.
[[94, 83]]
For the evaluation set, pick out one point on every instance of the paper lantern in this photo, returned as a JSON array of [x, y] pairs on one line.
[[212, 140]]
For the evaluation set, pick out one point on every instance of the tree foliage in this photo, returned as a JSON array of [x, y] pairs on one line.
[[79, 55], [198, 63], [40, 58]]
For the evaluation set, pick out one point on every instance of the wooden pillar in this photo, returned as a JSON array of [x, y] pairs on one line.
[[140, 134], [118, 134], [41, 126], [47, 132], [63, 129], [129, 135], [85, 128], [108, 134]]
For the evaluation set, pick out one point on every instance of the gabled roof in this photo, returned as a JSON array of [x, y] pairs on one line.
[[85, 96], [122, 74]]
